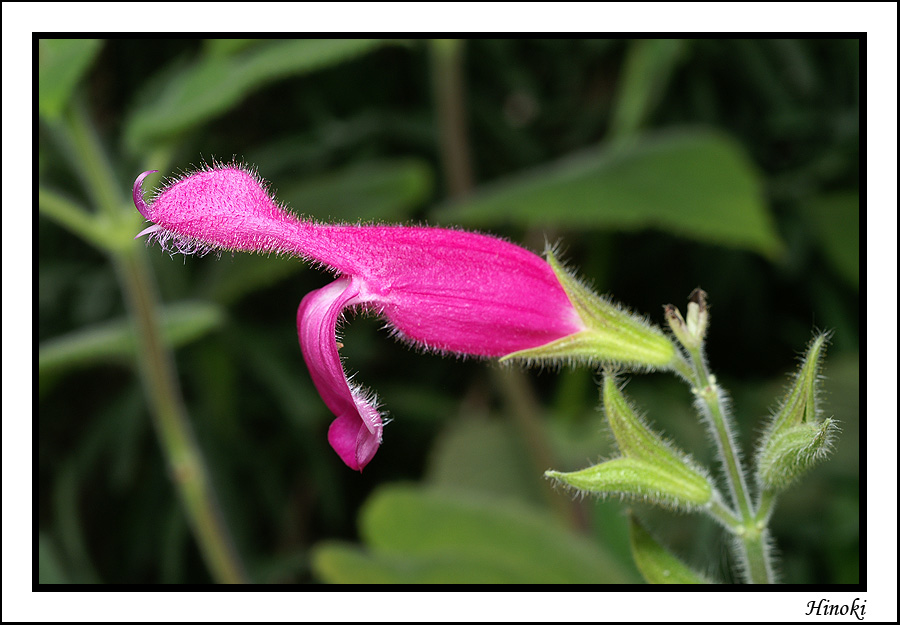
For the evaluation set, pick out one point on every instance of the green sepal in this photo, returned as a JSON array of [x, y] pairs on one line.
[[793, 451], [655, 562], [640, 480], [795, 439], [612, 335], [650, 470]]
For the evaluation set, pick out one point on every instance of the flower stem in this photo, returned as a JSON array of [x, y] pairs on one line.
[[449, 95], [751, 534], [183, 456], [766, 504], [723, 514], [73, 218], [80, 142], [88, 158], [519, 396]]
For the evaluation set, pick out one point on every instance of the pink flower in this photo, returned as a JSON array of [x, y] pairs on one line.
[[442, 290]]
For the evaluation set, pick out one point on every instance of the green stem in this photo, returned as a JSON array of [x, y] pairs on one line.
[[723, 514], [766, 504], [183, 456], [757, 562], [519, 396], [73, 218], [751, 535], [447, 76], [82, 146]]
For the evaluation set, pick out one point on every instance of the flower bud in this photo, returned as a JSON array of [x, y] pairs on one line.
[[691, 332], [795, 439], [793, 451]]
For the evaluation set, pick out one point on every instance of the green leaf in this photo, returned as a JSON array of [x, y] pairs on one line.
[[695, 183], [115, 340], [417, 535], [50, 569], [835, 220], [219, 81], [61, 64], [654, 561], [646, 74], [388, 190], [341, 563], [227, 283], [483, 455]]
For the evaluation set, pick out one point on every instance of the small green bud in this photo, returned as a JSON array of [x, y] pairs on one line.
[[793, 451], [795, 439], [650, 469], [611, 334], [655, 562], [691, 332]]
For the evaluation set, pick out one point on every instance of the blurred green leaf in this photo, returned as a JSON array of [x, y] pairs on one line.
[[227, 47], [417, 535], [217, 82], [656, 564], [115, 340], [648, 66], [50, 569], [61, 64], [483, 455], [228, 282], [695, 183], [341, 563], [387, 190], [835, 220]]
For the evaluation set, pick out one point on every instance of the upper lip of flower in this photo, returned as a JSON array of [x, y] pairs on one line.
[[439, 289]]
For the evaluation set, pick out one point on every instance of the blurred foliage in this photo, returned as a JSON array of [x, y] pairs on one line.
[[657, 565], [425, 536], [658, 166]]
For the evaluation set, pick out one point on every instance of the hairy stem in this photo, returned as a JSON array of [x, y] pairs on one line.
[[80, 142], [751, 535], [183, 456]]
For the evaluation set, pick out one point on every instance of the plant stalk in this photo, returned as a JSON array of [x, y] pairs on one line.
[[155, 363], [184, 458], [751, 535], [449, 95]]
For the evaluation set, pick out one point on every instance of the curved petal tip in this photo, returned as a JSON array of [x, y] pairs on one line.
[[137, 194]]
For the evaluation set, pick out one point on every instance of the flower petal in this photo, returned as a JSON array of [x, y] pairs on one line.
[[356, 433], [456, 291]]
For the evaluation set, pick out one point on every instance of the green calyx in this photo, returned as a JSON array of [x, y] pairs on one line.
[[796, 439], [649, 470], [640, 480], [793, 451], [611, 334]]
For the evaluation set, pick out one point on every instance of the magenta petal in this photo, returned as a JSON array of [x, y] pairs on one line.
[[137, 194], [356, 433]]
